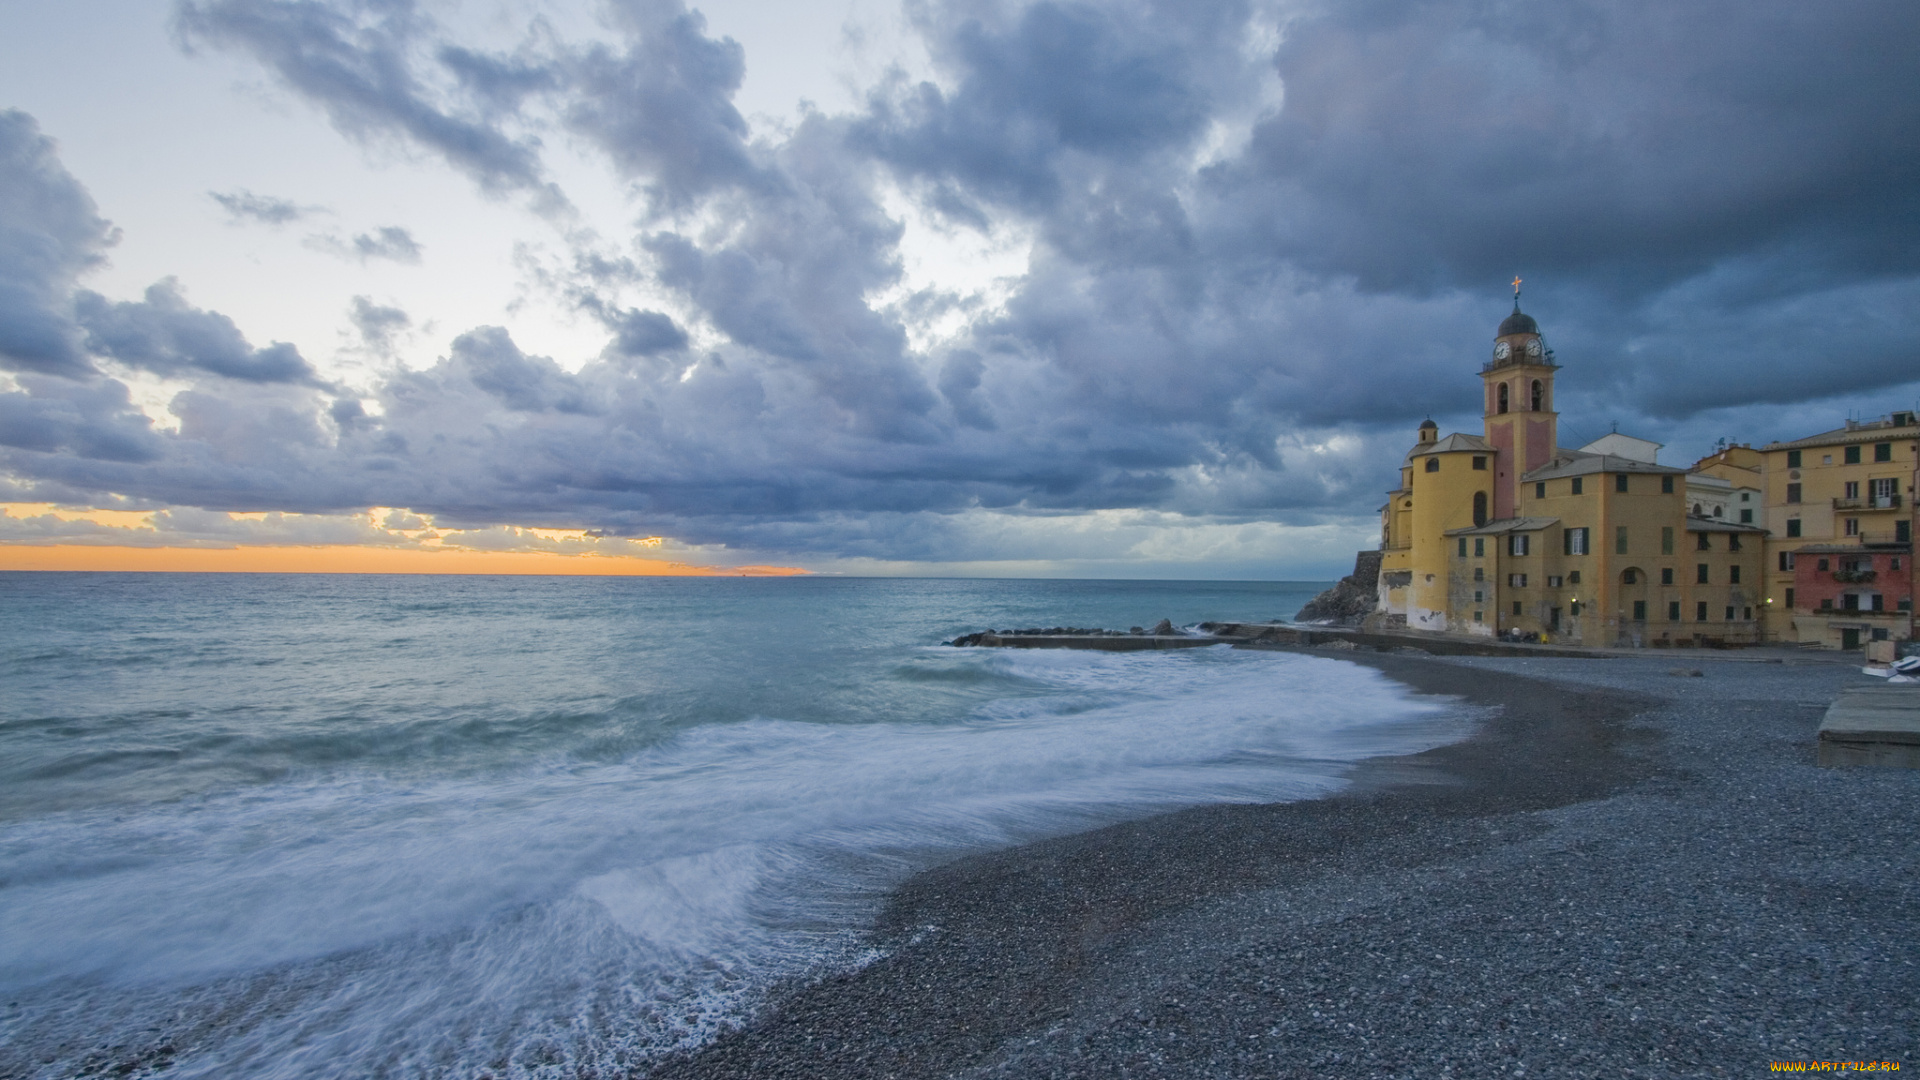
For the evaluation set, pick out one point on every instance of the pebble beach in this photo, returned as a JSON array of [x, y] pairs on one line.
[[1629, 870]]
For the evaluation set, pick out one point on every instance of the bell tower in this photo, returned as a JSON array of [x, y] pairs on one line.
[[1520, 419]]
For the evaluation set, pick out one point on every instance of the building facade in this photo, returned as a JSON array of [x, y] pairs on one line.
[[1507, 533], [1839, 511]]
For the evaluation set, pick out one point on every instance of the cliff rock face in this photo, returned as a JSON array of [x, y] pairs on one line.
[[1351, 599]]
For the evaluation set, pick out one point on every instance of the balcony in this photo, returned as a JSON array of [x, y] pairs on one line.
[[1855, 577], [1868, 505]]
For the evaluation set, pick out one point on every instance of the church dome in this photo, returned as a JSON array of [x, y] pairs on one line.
[[1518, 323]]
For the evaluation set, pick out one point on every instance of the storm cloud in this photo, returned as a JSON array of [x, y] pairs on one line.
[[1257, 245]]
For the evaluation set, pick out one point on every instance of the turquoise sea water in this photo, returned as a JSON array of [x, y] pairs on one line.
[[317, 826]]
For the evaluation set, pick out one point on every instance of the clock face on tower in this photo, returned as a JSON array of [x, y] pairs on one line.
[[1533, 348], [1502, 351]]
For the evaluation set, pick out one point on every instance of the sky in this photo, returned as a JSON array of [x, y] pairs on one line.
[[1120, 289]]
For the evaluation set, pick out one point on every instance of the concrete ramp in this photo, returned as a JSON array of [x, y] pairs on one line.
[[1873, 725]]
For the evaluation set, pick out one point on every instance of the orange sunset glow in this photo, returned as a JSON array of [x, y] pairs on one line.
[[389, 542]]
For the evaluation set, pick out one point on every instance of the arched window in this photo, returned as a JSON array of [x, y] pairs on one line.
[[1539, 396], [1480, 505], [1502, 406]]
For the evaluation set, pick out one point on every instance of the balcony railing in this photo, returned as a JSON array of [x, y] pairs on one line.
[[1852, 577], [1871, 503]]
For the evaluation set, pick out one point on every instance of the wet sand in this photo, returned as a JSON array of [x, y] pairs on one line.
[[1623, 873]]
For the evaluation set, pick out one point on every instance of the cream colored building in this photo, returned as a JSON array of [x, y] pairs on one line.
[[1507, 532]]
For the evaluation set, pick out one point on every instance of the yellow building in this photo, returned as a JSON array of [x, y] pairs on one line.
[[1839, 508], [1508, 533]]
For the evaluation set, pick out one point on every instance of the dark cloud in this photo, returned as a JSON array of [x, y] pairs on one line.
[[387, 242], [50, 232], [1258, 259], [168, 336], [662, 106], [358, 62], [646, 333], [377, 324], [243, 206]]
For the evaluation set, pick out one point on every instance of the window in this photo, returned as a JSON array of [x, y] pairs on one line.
[[1699, 511], [1853, 455], [1746, 517], [1479, 508], [1793, 526], [1666, 485], [1877, 600], [1883, 451], [1729, 612], [1517, 544], [1793, 459], [1639, 611], [1476, 616], [1540, 490], [1896, 563], [1746, 614], [1539, 398], [1666, 539], [1479, 547], [1517, 581], [1853, 527], [1703, 542], [1733, 575], [1746, 496], [1555, 581], [1628, 577], [1793, 493], [1479, 573], [1666, 575], [1620, 540], [1463, 547], [1852, 490], [1516, 607], [1700, 575], [1480, 462], [1826, 603], [1850, 602], [1826, 459], [1673, 611], [1902, 532], [1821, 566], [1619, 481], [1575, 608], [1576, 484], [1786, 560], [1882, 492], [1789, 598], [1733, 541], [1573, 541], [1433, 464], [1574, 577], [1501, 395], [1479, 595], [1719, 511], [1700, 611]]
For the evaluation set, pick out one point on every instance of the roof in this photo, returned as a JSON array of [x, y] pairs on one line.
[[1870, 431], [1506, 525], [1852, 549], [1453, 444], [1707, 524], [1518, 323], [1580, 463], [1626, 446]]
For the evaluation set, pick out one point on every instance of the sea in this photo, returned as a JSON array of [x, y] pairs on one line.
[[325, 826]]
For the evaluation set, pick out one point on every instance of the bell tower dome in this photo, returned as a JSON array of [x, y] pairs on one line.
[[1520, 419]]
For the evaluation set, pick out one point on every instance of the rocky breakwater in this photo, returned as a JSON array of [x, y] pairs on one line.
[[989, 638], [1351, 599]]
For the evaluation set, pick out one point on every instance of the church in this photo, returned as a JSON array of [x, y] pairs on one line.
[[1507, 533]]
